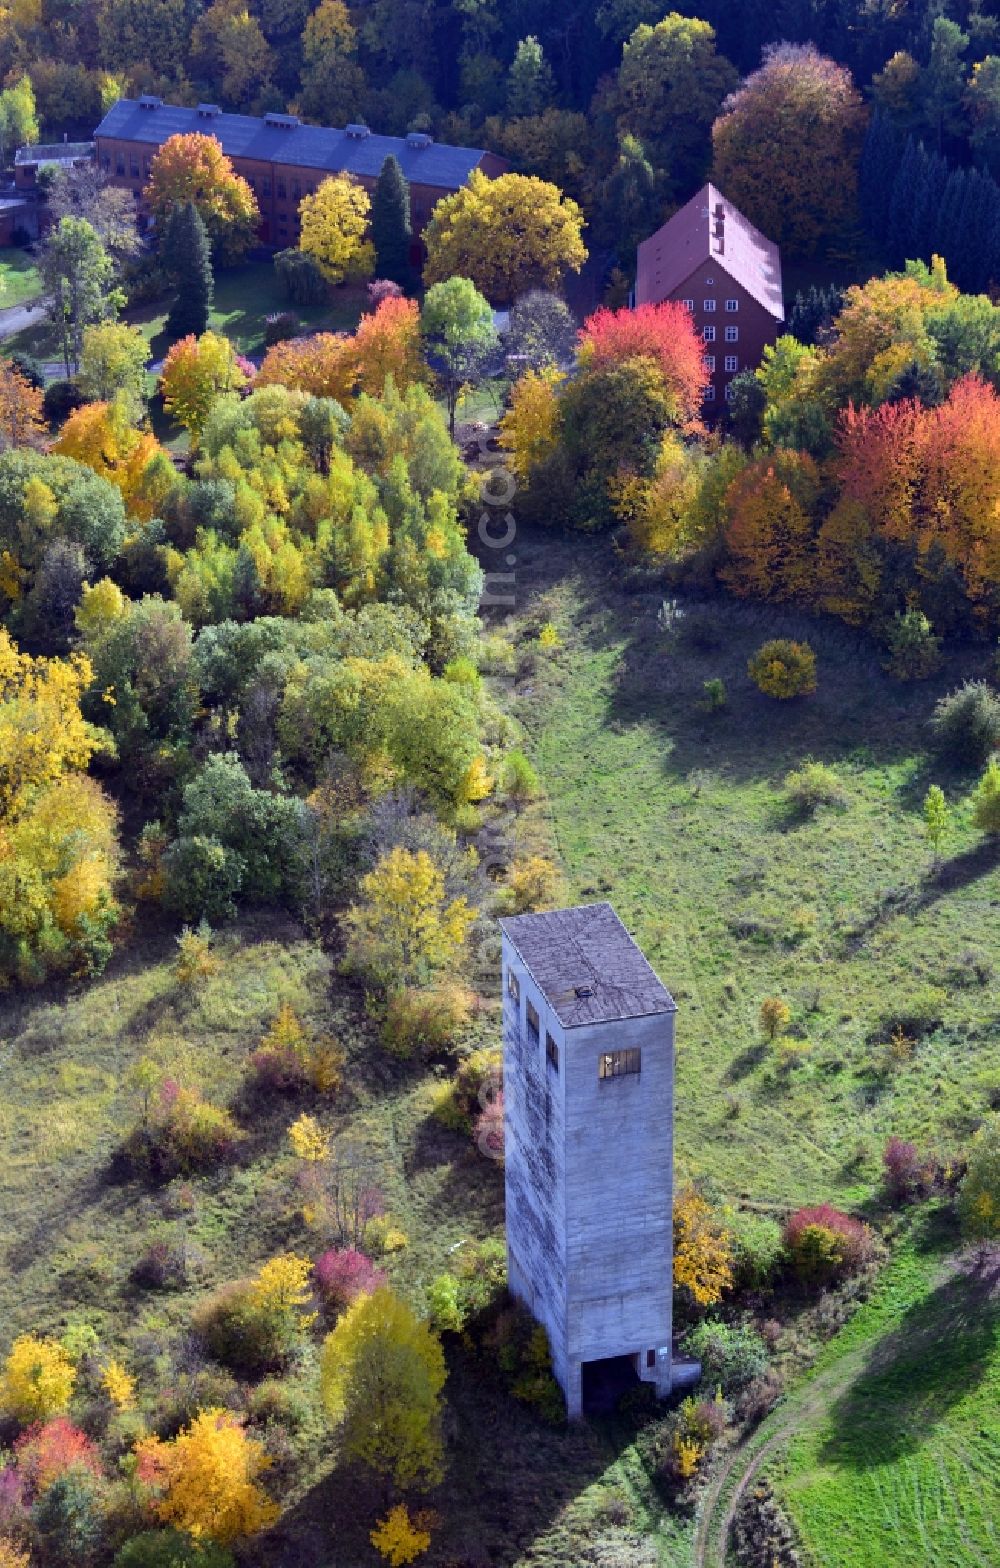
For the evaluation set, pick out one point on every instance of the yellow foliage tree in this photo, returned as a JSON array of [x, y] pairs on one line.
[[308, 1140], [12, 1555], [282, 1285], [703, 1254], [381, 1378], [508, 235], [205, 1480], [334, 228], [102, 436], [194, 168], [529, 430], [43, 734], [195, 374], [37, 1380], [406, 928], [400, 1539], [101, 604], [119, 1385]]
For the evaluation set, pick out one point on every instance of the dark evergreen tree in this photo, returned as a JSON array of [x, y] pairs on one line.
[[903, 202], [932, 180], [392, 232], [950, 218], [880, 158], [915, 381], [187, 255], [813, 312]]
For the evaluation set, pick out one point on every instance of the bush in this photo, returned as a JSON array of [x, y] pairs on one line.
[[38, 1379], [182, 1134], [986, 799], [428, 1020], [46, 1451], [518, 779], [906, 1173], [813, 785], [171, 1549], [461, 1100], [249, 1333], [531, 885], [914, 650], [731, 1354], [342, 1274], [69, 1516], [965, 725], [61, 398], [782, 668], [522, 1352], [300, 277], [290, 1058], [201, 878], [281, 326], [774, 1017], [715, 694], [918, 1015], [756, 1242], [823, 1244]]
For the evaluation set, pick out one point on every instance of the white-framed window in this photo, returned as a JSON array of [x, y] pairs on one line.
[[708, 333], [732, 334], [710, 393], [688, 304], [708, 304], [709, 361], [732, 304], [732, 363], [729, 390]]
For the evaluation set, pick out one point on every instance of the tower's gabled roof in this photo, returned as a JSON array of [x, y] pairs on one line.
[[689, 238], [587, 967]]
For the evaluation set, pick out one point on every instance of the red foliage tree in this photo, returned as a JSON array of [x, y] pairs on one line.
[[959, 514], [824, 1243], [47, 1450], [663, 333], [344, 1273]]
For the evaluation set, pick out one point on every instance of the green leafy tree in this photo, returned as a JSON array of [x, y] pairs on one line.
[[670, 87], [979, 1194], [18, 118], [936, 818], [381, 1377], [187, 253], [530, 84], [391, 228], [113, 360], [986, 799], [78, 275], [459, 335]]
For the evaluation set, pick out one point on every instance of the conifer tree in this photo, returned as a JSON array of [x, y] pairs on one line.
[[188, 256], [391, 229], [899, 238], [880, 159]]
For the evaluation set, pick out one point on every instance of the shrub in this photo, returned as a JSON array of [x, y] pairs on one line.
[[38, 1378], [731, 1354], [401, 1539], [45, 1452], [965, 725], [201, 878], [979, 1194], [813, 785], [476, 1079], [518, 779], [444, 1300], [914, 650], [182, 1134], [254, 1326], [300, 277], [918, 1015], [823, 1244], [905, 1172], [715, 694], [342, 1274], [523, 1356], [488, 1129], [986, 799], [383, 1237], [280, 326], [69, 1516], [171, 1549], [774, 1017], [195, 959], [61, 398], [427, 1019], [531, 884], [756, 1244], [291, 1058], [782, 668], [164, 1265]]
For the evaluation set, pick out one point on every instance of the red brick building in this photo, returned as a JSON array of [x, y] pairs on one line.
[[284, 159], [710, 258]]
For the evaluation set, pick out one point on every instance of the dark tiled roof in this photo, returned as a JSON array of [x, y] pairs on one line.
[[587, 950], [308, 146], [687, 239], [53, 152]]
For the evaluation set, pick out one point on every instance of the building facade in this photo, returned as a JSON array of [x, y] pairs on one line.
[[588, 1033], [283, 159], [711, 259]]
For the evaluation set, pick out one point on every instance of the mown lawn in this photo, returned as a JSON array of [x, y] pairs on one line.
[[905, 1467], [679, 817], [19, 278]]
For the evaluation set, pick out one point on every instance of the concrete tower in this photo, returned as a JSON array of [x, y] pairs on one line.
[[588, 1032]]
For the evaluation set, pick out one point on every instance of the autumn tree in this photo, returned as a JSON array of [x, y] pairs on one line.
[[662, 334], [325, 364], [986, 799], [228, 49], [670, 85], [381, 1377], [79, 279], [936, 818], [334, 228], [979, 1194], [194, 168], [508, 235], [786, 147], [196, 372], [18, 117], [703, 1252], [388, 343], [102, 436], [769, 532], [187, 255], [782, 668], [391, 225], [205, 1480], [113, 360], [529, 430], [22, 421], [37, 1380], [333, 84], [405, 927]]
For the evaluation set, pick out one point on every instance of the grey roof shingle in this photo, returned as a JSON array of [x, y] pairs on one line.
[[308, 146], [587, 950]]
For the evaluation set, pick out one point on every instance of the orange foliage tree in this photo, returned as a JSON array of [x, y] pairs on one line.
[[325, 365], [959, 514], [22, 422], [662, 333], [101, 436], [204, 1480], [194, 168], [387, 343], [769, 531], [787, 143]]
